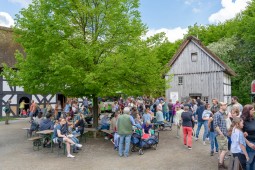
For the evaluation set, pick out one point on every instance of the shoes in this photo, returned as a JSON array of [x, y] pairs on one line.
[[70, 156], [75, 151], [207, 139], [204, 143], [178, 137], [196, 138], [211, 154], [216, 151], [78, 145], [189, 147], [106, 138]]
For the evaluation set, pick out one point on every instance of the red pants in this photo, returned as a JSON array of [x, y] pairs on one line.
[[187, 133]]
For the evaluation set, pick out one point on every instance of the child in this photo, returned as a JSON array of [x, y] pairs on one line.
[[24, 112], [238, 146]]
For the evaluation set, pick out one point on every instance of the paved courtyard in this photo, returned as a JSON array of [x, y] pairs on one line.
[[16, 153]]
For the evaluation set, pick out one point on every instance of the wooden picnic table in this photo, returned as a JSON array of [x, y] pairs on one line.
[[94, 130], [47, 134]]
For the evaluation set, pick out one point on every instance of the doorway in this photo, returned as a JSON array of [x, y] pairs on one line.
[[26, 100], [62, 99]]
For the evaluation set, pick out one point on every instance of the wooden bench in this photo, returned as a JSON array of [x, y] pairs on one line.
[[28, 130], [37, 142], [92, 130]]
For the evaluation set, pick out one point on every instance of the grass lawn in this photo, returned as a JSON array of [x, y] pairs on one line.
[[3, 118]]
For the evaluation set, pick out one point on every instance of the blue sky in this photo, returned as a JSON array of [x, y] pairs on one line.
[[170, 16]]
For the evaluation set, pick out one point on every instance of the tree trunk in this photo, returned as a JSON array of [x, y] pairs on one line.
[[95, 112]]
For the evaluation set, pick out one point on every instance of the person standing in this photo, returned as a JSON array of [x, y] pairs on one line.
[[165, 110], [178, 119], [170, 108], [32, 109], [124, 128], [215, 106], [213, 140], [249, 132], [199, 114], [7, 111], [220, 127], [187, 119], [205, 116]]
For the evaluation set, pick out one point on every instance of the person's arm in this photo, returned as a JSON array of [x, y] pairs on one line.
[[244, 151], [59, 134], [251, 145], [216, 125], [132, 120]]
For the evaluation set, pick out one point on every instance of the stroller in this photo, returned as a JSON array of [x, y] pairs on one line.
[[139, 144]]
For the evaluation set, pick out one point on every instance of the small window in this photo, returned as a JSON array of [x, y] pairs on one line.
[[194, 57], [206, 99], [180, 80]]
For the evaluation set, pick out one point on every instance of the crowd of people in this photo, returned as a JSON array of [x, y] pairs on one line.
[[228, 128]]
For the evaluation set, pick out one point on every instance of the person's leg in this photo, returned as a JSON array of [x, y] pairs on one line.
[[68, 148], [205, 130], [170, 117], [199, 124], [127, 145], [216, 143], [189, 130], [178, 131], [184, 130], [242, 160], [211, 136], [7, 118], [121, 145]]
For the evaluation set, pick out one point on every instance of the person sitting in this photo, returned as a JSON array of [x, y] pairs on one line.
[[160, 118], [80, 124], [39, 118], [138, 121], [60, 136], [146, 129], [104, 122], [46, 124]]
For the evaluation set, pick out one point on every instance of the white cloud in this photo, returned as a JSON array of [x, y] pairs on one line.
[[6, 20], [172, 34], [196, 10], [23, 3], [229, 10]]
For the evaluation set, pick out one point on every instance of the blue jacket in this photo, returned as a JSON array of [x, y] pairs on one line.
[[199, 113], [46, 124]]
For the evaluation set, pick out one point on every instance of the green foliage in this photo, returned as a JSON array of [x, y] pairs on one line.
[[234, 42], [84, 47]]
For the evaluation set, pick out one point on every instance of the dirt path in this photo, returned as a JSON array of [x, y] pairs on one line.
[[17, 153]]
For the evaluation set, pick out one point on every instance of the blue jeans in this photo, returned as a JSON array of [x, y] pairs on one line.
[[205, 130], [171, 117], [166, 115], [199, 124], [251, 153], [127, 139], [213, 141]]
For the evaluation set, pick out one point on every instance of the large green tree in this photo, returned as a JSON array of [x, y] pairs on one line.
[[84, 47]]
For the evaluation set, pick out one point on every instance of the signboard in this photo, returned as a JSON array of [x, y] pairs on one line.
[[174, 96], [253, 87]]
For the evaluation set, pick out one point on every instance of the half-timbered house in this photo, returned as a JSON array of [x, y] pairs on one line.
[[16, 94], [198, 72]]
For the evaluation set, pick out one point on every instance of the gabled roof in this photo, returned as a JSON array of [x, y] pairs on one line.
[[8, 47], [209, 52]]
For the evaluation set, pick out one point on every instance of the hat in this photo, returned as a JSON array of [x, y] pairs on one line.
[[126, 110], [222, 103]]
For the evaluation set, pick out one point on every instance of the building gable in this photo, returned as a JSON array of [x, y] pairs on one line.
[[193, 57]]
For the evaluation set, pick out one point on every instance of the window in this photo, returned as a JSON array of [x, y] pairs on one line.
[[206, 99], [194, 57], [180, 80]]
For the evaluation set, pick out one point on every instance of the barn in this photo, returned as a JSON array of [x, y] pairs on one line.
[[197, 72]]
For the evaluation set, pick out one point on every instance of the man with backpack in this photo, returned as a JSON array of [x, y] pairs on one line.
[[7, 111]]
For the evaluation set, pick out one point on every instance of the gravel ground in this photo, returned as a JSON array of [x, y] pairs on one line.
[[16, 153]]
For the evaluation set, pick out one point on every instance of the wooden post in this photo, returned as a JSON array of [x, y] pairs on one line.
[[95, 111]]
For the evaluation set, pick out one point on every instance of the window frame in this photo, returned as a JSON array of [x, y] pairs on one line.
[[180, 80], [192, 56]]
